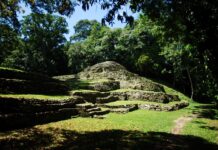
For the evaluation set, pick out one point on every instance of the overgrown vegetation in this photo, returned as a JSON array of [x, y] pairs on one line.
[[172, 42]]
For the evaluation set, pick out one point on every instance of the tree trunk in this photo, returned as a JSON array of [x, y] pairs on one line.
[[191, 83]]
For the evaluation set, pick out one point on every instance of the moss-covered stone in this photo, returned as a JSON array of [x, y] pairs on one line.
[[9, 73], [104, 86], [123, 105], [112, 70], [166, 107], [144, 95], [90, 96], [31, 86], [24, 105]]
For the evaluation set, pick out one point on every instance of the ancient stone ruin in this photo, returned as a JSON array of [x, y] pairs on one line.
[[99, 89], [109, 81]]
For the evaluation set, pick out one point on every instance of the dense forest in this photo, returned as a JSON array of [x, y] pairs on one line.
[[167, 42]]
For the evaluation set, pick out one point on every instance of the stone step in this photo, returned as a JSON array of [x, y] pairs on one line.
[[118, 106], [85, 106], [93, 109], [107, 99], [32, 86], [120, 110], [90, 96], [30, 105], [20, 120], [102, 112], [84, 113], [124, 109]]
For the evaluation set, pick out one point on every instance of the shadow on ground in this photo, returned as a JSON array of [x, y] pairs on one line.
[[110, 139], [208, 111]]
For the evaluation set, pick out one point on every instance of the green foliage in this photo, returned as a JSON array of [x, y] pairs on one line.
[[8, 41], [169, 41], [83, 29], [43, 47], [43, 35], [9, 9], [125, 46]]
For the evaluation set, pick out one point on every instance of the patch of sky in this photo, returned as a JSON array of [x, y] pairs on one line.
[[94, 13]]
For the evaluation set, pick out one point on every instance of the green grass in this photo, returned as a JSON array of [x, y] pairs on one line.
[[11, 69], [172, 91], [151, 121], [202, 127], [36, 96], [206, 125], [138, 121]]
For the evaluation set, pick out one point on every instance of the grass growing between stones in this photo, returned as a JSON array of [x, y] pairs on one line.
[[132, 90], [36, 96], [127, 102]]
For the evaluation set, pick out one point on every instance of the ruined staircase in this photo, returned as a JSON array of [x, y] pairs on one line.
[[91, 110]]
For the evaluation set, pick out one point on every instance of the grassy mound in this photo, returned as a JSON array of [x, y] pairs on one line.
[[17, 81], [114, 71], [10, 73]]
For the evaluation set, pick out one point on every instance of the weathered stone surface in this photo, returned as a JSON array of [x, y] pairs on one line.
[[31, 86], [85, 106], [90, 110], [24, 105], [159, 107], [90, 96], [93, 109], [121, 108], [102, 112], [141, 84], [145, 95], [113, 70], [104, 86], [107, 99]]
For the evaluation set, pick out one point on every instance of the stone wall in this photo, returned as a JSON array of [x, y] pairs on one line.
[[146, 96], [17, 113]]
